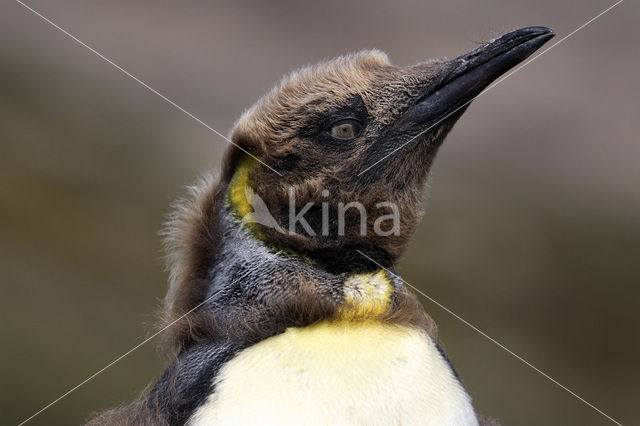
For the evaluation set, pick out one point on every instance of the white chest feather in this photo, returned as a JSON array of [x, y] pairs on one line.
[[338, 373]]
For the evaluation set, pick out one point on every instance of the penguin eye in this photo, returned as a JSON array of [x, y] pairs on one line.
[[345, 129]]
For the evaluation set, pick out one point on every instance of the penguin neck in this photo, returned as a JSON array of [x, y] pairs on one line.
[[246, 210], [248, 272], [242, 247], [253, 291]]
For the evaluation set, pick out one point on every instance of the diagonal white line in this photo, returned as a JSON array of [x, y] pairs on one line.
[[124, 355], [248, 153], [128, 74], [500, 345], [500, 80], [518, 68]]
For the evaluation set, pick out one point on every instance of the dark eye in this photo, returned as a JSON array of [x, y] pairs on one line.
[[345, 129]]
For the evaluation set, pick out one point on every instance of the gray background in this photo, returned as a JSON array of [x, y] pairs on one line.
[[533, 225]]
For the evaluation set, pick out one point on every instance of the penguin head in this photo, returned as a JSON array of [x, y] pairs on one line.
[[336, 156]]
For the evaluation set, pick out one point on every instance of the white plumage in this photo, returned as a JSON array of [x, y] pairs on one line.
[[339, 373]]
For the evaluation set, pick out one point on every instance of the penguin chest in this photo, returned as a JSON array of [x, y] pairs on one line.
[[364, 373]]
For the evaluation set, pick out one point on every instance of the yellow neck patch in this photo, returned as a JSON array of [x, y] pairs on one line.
[[237, 195], [239, 192], [366, 295]]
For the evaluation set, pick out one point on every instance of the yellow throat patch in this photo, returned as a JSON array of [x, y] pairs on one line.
[[239, 193], [237, 196], [366, 296]]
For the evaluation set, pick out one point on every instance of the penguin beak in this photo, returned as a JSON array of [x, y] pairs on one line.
[[471, 74], [438, 106]]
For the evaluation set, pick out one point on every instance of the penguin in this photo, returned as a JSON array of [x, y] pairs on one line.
[[284, 306]]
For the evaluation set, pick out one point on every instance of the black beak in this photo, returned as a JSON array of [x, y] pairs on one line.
[[443, 103], [472, 73]]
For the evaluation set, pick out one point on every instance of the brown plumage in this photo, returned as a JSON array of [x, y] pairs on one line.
[[234, 284]]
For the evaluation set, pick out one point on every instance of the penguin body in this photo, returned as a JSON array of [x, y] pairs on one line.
[[367, 373], [284, 306]]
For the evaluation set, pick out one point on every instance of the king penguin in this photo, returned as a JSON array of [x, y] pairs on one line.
[[284, 306]]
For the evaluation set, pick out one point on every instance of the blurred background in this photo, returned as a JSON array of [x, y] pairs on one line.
[[532, 231]]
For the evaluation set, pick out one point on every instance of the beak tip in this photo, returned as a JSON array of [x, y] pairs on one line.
[[538, 29], [522, 35], [539, 32]]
